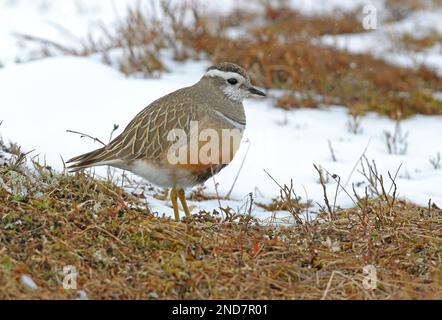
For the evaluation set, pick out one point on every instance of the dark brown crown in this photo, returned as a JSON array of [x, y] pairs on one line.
[[230, 67]]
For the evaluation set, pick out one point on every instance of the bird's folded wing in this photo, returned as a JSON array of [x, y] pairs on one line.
[[146, 136]]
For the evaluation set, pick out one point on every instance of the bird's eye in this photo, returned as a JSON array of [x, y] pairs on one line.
[[232, 81]]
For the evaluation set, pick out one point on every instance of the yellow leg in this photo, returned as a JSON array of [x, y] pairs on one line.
[[173, 198], [182, 197]]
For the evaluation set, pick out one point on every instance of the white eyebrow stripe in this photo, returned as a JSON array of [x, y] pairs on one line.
[[236, 124], [223, 74]]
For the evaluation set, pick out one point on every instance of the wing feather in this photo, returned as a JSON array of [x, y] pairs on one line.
[[145, 137]]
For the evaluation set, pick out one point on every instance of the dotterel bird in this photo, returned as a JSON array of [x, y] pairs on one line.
[[159, 143]]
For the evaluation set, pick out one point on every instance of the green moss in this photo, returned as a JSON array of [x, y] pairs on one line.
[[6, 263]]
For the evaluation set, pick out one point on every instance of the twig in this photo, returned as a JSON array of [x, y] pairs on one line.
[[332, 151], [251, 204], [371, 175], [384, 193], [45, 42], [336, 192], [273, 179], [84, 135], [338, 181], [357, 162], [21, 156], [111, 171], [286, 193], [307, 213], [435, 162], [116, 126], [394, 186], [65, 31], [394, 180], [109, 234], [324, 188], [64, 164], [216, 187], [328, 285], [239, 171], [396, 141]]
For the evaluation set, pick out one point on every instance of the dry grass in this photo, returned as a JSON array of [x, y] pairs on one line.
[[412, 43], [400, 9], [123, 250], [277, 48]]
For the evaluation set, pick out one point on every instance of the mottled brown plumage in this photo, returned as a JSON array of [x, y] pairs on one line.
[[143, 146]]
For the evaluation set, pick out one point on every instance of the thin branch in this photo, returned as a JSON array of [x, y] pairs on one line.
[[324, 188], [394, 186], [273, 179], [116, 126], [332, 151], [45, 42], [216, 187], [286, 193], [237, 174], [357, 162], [336, 192], [84, 135], [338, 181], [394, 179], [64, 164]]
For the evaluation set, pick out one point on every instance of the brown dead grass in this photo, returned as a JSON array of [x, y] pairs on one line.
[[413, 43], [291, 23], [400, 9], [122, 250]]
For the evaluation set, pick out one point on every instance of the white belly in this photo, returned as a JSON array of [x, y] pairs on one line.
[[161, 175]]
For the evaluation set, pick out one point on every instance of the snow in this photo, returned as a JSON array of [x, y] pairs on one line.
[[82, 295], [42, 99], [28, 282], [313, 7], [380, 42]]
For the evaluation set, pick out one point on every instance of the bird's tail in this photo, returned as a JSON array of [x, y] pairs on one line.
[[87, 160]]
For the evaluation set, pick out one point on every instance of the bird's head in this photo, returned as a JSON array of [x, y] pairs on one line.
[[232, 80]]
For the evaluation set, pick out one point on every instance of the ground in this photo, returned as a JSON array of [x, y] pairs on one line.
[[120, 250]]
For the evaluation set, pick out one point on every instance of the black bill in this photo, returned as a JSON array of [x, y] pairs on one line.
[[256, 91]]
